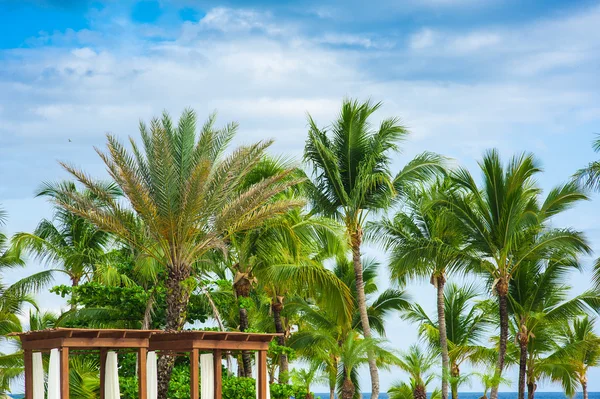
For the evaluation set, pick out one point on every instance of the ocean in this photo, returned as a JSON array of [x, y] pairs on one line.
[[501, 395], [466, 395]]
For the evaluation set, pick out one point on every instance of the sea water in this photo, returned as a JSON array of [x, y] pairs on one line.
[[501, 395], [467, 395]]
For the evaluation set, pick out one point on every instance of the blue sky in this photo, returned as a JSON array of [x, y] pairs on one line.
[[464, 75]]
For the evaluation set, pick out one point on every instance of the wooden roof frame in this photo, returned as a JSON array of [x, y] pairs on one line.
[[79, 338], [104, 340], [186, 341]]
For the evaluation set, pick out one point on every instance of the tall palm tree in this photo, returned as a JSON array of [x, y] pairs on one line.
[[590, 175], [352, 178], [582, 346], [322, 332], [538, 300], [418, 364], [426, 242], [184, 198], [467, 320], [507, 222], [69, 242]]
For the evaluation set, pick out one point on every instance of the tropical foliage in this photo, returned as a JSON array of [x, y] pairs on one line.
[[189, 232]]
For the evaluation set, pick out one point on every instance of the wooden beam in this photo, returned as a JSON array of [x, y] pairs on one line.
[[194, 374], [28, 373], [217, 355], [42, 344], [142, 377], [64, 373], [263, 383], [188, 345], [103, 353]]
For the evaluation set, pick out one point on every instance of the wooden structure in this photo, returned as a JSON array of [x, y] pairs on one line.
[[69, 340], [74, 339], [194, 342]]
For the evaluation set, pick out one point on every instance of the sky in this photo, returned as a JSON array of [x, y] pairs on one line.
[[463, 76]]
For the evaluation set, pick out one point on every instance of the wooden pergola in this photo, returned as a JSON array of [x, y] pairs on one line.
[[68, 340], [194, 342]]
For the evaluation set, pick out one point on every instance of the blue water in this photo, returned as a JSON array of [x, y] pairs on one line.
[[465, 395], [501, 395]]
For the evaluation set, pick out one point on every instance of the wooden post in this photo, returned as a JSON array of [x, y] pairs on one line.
[[103, 353], [262, 375], [28, 373], [64, 373], [142, 376], [194, 374], [218, 374]]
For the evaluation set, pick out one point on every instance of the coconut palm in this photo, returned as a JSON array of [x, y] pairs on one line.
[[352, 178], [425, 242], [69, 242], [539, 306], [13, 296], [507, 222], [590, 175], [418, 364], [184, 197], [285, 255], [12, 364], [307, 377], [353, 353], [582, 346], [321, 332], [489, 380], [467, 320]]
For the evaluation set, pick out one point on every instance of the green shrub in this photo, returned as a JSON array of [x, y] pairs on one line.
[[233, 387]]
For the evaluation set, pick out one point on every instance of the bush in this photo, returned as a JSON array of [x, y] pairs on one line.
[[233, 387]]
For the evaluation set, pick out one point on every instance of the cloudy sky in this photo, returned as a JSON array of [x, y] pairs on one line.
[[464, 76]]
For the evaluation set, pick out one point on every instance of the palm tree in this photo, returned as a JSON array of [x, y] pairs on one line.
[[489, 380], [184, 197], [12, 364], [506, 224], [307, 377], [352, 178], [353, 353], [538, 301], [68, 241], [284, 255], [418, 365], [467, 320], [425, 242], [582, 345], [322, 332], [590, 175]]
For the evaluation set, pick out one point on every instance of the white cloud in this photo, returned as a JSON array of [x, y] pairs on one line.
[[458, 92], [422, 39]]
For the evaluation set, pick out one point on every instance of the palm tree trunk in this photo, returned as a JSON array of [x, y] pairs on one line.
[[439, 283], [148, 313], [177, 300], [419, 392], [584, 386], [74, 284], [455, 373], [242, 287], [348, 389], [522, 338], [531, 386], [356, 241], [246, 356], [277, 307], [502, 291]]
